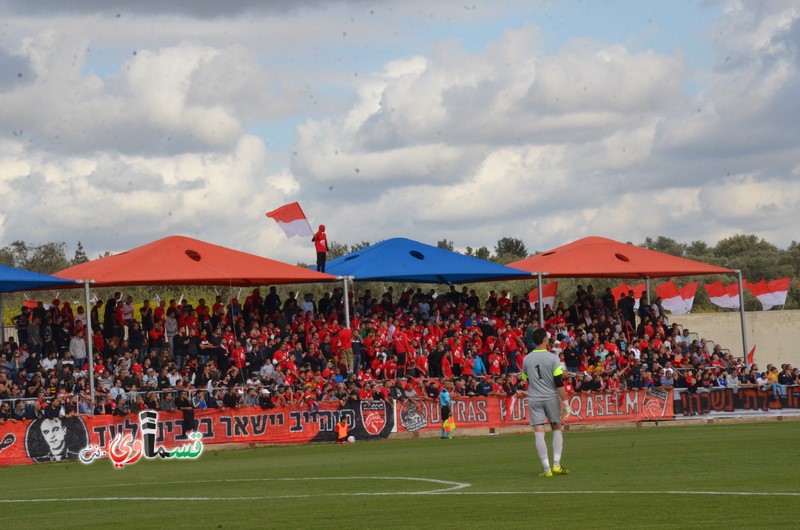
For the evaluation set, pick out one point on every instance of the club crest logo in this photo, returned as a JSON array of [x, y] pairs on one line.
[[654, 404], [373, 416]]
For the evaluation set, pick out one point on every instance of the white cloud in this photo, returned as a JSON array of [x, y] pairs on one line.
[[429, 139]]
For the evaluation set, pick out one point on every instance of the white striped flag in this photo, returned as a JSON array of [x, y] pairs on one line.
[[292, 220], [548, 295], [677, 301], [770, 294], [722, 296]]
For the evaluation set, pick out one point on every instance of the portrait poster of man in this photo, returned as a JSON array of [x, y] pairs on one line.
[[55, 439]]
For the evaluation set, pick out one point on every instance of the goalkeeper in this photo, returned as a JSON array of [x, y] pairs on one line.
[[547, 400]]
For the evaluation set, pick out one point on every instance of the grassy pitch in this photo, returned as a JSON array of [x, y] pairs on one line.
[[711, 476]]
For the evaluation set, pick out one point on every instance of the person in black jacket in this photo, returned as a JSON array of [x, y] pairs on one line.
[[184, 404]]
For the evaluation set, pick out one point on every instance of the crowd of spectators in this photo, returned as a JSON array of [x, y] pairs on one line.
[[272, 352]]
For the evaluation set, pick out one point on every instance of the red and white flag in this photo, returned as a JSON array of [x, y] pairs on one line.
[[292, 220], [620, 291], [722, 296], [770, 294], [624, 288], [548, 295], [677, 301]]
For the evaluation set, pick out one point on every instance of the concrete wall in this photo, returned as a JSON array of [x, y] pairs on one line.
[[775, 333]]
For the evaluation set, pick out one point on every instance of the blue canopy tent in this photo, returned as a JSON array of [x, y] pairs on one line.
[[12, 280], [405, 260]]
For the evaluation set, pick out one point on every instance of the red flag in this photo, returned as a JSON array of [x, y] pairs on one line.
[[625, 289], [727, 297], [548, 295], [770, 294], [759, 290], [292, 220], [677, 301], [620, 291], [668, 290], [689, 291], [751, 356]]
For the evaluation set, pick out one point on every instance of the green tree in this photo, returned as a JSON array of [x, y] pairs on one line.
[[337, 250], [359, 246], [483, 253], [46, 258], [80, 255], [510, 247], [667, 245], [742, 244], [757, 258], [6, 257], [791, 258], [447, 245], [699, 250]]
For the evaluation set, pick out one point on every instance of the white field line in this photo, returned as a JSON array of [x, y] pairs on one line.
[[451, 486], [453, 489]]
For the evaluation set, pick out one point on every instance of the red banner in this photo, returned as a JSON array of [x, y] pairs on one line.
[[27, 442], [45, 440], [638, 405]]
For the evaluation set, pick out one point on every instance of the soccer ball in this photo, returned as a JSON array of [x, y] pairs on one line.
[[351, 439]]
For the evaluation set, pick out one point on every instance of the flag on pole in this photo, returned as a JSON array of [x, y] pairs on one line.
[[751, 357], [677, 301], [292, 220], [548, 295], [722, 296], [770, 294], [688, 293]]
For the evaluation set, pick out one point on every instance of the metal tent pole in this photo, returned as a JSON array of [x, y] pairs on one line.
[[541, 302], [741, 317], [2, 320], [89, 339], [346, 302]]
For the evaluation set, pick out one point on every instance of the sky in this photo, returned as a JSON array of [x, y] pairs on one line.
[[544, 120]]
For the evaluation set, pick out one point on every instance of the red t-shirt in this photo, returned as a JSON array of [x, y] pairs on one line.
[[494, 364], [345, 338], [422, 364], [446, 368], [320, 241]]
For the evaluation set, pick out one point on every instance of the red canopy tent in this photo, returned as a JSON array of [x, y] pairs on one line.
[[598, 257], [178, 260]]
